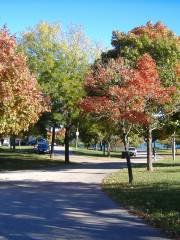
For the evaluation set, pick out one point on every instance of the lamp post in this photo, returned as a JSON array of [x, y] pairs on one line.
[[77, 136], [174, 146]]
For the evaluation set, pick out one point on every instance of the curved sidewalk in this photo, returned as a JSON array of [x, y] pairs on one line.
[[66, 203]]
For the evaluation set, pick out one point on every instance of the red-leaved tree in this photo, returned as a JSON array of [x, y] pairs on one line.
[[125, 96], [21, 100]]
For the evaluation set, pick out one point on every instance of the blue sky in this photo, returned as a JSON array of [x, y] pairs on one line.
[[98, 17]]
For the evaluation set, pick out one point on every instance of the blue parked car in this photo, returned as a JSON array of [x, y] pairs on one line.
[[42, 146]]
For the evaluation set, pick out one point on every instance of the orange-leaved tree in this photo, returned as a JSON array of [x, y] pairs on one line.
[[124, 95], [21, 100], [162, 45]]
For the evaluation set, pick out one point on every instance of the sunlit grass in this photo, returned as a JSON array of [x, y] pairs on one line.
[[153, 195], [25, 158], [167, 151], [95, 153]]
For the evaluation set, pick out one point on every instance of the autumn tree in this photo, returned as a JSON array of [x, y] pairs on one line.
[[163, 46], [155, 39], [21, 100], [123, 95], [60, 60]]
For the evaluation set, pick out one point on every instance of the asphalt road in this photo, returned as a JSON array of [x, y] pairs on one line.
[[66, 203]]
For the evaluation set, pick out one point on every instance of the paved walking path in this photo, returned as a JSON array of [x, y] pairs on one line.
[[66, 203]]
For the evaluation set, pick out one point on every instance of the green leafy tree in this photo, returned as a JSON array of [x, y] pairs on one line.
[[90, 133], [60, 60], [93, 132], [169, 131]]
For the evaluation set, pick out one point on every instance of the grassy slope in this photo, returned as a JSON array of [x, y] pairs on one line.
[[155, 196], [25, 158]]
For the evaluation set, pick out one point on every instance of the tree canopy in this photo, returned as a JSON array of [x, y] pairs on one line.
[[163, 46], [156, 40], [125, 95], [60, 60], [21, 100], [118, 92]]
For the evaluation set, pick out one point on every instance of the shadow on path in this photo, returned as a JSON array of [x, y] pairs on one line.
[[73, 210]]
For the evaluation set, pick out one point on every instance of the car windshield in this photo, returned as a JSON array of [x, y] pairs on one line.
[[131, 148], [42, 141]]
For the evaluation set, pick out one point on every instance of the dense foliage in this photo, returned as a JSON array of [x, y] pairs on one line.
[[156, 40], [21, 101], [123, 96], [119, 93], [60, 60]]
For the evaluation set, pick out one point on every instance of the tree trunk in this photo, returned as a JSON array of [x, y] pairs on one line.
[[154, 150], [149, 149], [52, 142], [13, 143], [101, 146], [95, 146], [104, 148], [66, 142], [2, 141], [155, 144], [108, 149], [128, 159]]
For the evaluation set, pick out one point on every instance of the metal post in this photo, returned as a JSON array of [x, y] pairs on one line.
[[174, 147], [77, 136]]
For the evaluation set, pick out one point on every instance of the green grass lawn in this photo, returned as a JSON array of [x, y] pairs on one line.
[[94, 153], [154, 196], [24, 158], [97, 153], [167, 151]]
